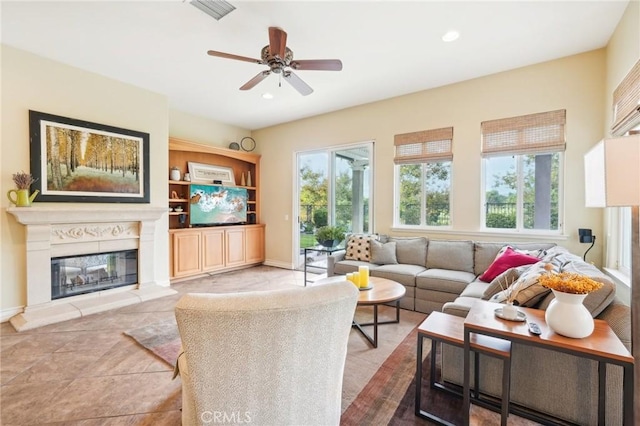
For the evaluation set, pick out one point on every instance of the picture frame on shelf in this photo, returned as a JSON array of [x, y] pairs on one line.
[[80, 161], [207, 173]]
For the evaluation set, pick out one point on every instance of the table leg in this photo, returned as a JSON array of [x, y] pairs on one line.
[[419, 374], [506, 390], [628, 391], [432, 379], [466, 402], [602, 394]]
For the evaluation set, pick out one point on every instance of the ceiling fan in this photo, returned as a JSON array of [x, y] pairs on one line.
[[279, 57]]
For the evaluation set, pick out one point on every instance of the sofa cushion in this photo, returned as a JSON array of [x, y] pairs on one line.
[[486, 252], [359, 247], [460, 307], [444, 280], [383, 253], [475, 289], [509, 258], [346, 266], [411, 250], [452, 255], [403, 274]]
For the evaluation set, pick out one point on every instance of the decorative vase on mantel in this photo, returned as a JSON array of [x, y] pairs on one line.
[[21, 197], [567, 315]]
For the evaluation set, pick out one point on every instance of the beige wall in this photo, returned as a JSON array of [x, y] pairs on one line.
[[202, 130], [36, 83], [574, 83], [32, 82]]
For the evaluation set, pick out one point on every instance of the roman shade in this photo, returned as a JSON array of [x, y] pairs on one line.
[[424, 146], [626, 102], [527, 134]]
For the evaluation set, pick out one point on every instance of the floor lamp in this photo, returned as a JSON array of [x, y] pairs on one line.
[[612, 179]]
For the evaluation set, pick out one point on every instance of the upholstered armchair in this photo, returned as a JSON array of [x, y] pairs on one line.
[[265, 357]]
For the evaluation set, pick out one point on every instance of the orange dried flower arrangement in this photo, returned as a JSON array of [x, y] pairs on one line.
[[568, 282]]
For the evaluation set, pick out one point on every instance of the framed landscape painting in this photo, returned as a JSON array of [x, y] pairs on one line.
[[80, 161]]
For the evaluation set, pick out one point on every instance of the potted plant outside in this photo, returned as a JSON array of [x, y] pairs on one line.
[[330, 236]]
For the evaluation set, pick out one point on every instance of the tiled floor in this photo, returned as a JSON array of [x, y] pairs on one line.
[[86, 371]]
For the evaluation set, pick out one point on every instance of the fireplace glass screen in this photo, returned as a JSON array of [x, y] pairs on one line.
[[74, 275]]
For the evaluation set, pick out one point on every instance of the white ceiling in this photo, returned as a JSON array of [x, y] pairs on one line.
[[388, 48]]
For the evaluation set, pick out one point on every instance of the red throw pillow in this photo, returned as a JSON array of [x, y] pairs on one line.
[[509, 259]]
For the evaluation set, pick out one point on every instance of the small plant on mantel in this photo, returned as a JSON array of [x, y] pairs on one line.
[[23, 180]]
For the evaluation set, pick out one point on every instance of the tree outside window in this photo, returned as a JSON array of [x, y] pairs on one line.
[[522, 191], [424, 194]]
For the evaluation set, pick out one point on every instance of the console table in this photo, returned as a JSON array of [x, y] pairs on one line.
[[602, 346]]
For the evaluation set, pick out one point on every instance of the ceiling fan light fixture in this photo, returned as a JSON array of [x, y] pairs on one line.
[[267, 95], [217, 9], [450, 36]]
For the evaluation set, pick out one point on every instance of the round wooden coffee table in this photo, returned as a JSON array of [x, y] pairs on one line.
[[383, 291]]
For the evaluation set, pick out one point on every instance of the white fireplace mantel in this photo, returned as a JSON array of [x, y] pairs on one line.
[[54, 230]]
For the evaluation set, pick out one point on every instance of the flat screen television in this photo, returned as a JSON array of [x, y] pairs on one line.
[[212, 205]]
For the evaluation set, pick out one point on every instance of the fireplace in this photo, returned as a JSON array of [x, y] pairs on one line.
[[73, 275], [100, 257]]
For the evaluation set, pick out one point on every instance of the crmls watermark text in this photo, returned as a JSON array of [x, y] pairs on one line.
[[223, 417]]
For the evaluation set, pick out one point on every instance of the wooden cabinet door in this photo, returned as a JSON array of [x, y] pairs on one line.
[[255, 244], [212, 250], [186, 253], [235, 246]]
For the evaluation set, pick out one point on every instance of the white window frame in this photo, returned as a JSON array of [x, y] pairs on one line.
[[520, 229], [423, 208]]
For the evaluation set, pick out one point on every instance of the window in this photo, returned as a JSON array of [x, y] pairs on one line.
[[522, 165], [423, 178], [626, 120]]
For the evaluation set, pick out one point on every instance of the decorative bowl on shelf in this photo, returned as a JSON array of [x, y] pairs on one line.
[[178, 209]]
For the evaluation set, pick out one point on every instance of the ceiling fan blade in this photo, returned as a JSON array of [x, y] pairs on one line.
[[297, 83], [255, 80], [236, 57], [317, 64], [277, 41]]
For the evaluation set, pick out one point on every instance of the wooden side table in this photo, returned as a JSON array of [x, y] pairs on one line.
[[602, 346], [445, 328]]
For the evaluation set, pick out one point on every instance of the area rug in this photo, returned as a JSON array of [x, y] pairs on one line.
[[161, 339], [388, 397]]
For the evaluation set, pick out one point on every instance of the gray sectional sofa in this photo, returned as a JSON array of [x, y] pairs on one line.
[[443, 275]]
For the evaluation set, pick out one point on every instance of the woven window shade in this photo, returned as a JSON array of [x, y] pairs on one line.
[[626, 102], [424, 146], [527, 134]]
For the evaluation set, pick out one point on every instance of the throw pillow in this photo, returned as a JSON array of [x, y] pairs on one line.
[[383, 253], [509, 259], [358, 248], [504, 280], [529, 290]]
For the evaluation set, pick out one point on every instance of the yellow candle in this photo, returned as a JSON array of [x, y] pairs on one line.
[[363, 273], [356, 279], [350, 277]]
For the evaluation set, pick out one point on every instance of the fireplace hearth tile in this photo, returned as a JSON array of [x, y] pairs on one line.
[[58, 311]]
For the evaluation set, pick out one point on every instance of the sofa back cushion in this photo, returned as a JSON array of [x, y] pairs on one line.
[[486, 252], [452, 255], [411, 250], [383, 253]]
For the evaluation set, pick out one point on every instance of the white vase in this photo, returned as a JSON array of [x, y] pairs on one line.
[[566, 315]]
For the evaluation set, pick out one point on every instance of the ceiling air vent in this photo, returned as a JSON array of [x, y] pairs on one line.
[[215, 8]]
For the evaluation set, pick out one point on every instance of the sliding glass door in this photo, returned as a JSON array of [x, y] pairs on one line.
[[334, 188]]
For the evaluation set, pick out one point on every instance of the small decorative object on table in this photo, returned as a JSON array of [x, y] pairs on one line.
[[566, 315], [363, 275], [22, 198], [330, 236], [509, 311]]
